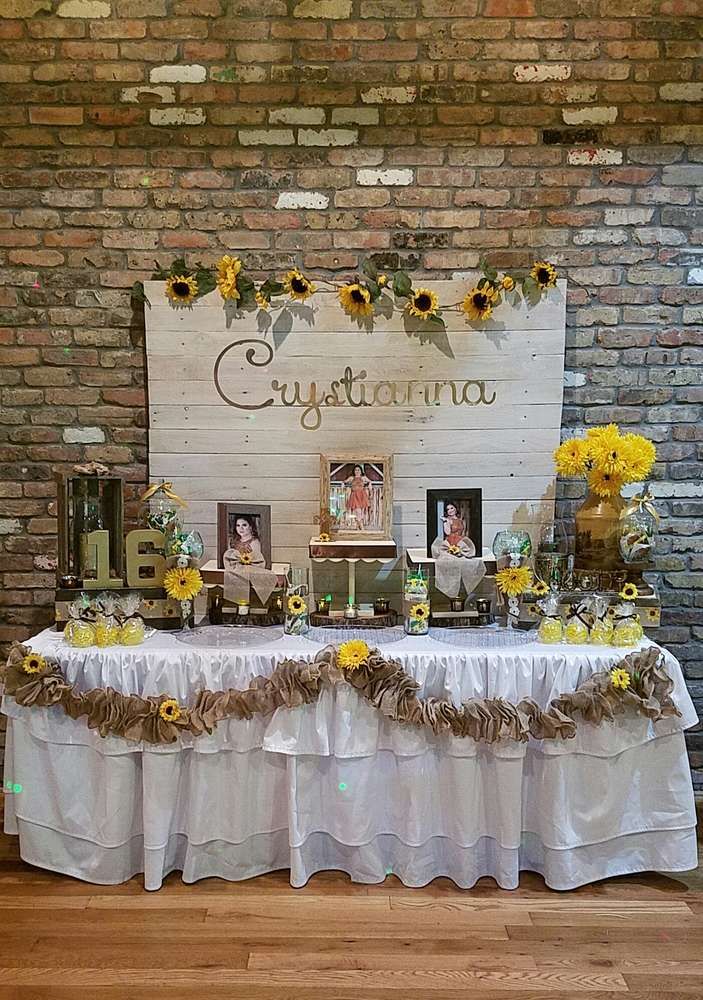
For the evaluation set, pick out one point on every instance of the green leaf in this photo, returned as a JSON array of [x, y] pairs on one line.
[[370, 269], [491, 274], [270, 287], [246, 288], [374, 290], [178, 267], [138, 293], [437, 321], [402, 285]]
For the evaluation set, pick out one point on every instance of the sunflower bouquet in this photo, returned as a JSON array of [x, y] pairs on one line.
[[606, 458]]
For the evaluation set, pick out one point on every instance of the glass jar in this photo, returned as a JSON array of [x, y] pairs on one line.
[[297, 603], [161, 513], [180, 542], [636, 537], [416, 603], [552, 555], [513, 543]]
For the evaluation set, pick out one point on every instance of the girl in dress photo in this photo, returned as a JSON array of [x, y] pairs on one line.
[[358, 495], [244, 563]]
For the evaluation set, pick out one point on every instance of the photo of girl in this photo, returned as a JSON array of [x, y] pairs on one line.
[[357, 492], [359, 495], [244, 540]]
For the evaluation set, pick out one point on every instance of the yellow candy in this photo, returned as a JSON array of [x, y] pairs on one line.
[[602, 633], [576, 632], [626, 634], [550, 630], [79, 634], [106, 635], [132, 632]]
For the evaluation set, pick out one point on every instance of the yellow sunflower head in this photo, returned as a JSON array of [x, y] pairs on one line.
[[245, 558], [227, 270], [183, 584], [571, 456], [478, 303], [544, 274], [261, 300], [420, 612], [423, 303], [639, 455], [605, 484], [453, 550], [34, 663], [296, 605], [629, 592], [323, 537], [507, 283], [514, 580], [356, 300], [169, 710], [540, 588], [181, 289], [353, 654], [298, 286], [620, 679], [382, 280]]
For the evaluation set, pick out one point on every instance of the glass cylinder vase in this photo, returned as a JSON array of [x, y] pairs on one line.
[[297, 603]]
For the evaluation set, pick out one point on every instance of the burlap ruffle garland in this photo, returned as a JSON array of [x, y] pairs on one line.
[[380, 681]]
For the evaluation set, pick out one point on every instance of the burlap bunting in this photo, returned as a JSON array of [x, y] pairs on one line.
[[380, 681]]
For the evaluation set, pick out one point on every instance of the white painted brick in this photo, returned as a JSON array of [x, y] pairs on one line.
[[693, 314], [266, 137], [594, 157], [83, 435], [658, 235], [178, 74], [297, 116], [355, 116], [389, 95], [586, 237], [681, 92], [165, 95], [327, 137], [302, 199], [9, 526], [84, 8], [683, 174], [539, 72], [46, 562], [628, 216], [589, 116], [664, 491], [574, 379], [388, 178], [177, 116], [695, 276], [331, 9]]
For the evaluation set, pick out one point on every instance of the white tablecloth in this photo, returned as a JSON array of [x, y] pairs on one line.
[[334, 785]]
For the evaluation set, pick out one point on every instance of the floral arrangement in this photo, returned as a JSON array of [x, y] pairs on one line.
[[358, 297], [607, 459]]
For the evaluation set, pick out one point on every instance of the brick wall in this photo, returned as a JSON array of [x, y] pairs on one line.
[[426, 131]]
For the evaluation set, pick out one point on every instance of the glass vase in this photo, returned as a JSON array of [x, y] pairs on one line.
[[296, 603], [416, 602], [598, 532], [636, 536]]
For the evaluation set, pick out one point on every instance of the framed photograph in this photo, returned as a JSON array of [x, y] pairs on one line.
[[454, 516], [244, 527], [357, 490]]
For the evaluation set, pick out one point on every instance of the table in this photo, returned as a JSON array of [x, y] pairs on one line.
[[335, 785]]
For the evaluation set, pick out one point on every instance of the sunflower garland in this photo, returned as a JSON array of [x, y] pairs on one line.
[[540, 588], [34, 663], [170, 710], [296, 605], [423, 303], [479, 302], [607, 458], [298, 286], [620, 678], [181, 289], [227, 270], [353, 654], [355, 300], [183, 584]]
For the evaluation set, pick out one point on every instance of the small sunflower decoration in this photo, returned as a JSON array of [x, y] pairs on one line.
[[298, 286], [170, 710], [296, 605], [353, 654], [507, 283], [262, 301], [227, 270], [183, 584], [34, 663], [629, 592], [514, 580], [382, 280], [420, 612], [479, 302], [423, 303], [355, 300], [453, 550], [540, 588], [544, 274], [181, 289], [620, 679], [323, 537], [245, 558]]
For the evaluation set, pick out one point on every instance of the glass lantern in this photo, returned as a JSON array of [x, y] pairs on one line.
[[296, 603], [638, 528], [511, 546], [90, 531]]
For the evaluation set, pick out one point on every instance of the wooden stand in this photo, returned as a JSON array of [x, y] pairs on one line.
[[374, 621]]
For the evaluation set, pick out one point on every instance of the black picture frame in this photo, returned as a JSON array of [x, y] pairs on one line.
[[470, 503], [233, 509]]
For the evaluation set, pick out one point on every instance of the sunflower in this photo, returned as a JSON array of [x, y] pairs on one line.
[[540, 588], [640, 455], [514, 580], [382, 280], [571, 456], [34, 663], [323, 537], [262, 301], [629, 592], [181, 289], [507, 283], [227, 270], [353, 654], [605, 484], [479, 302], [423, 303], [183, 584], [610, 454], [296, 605], [355, 300], [620, 678], [169, 710], [453, 550], [420, 612], [544, 274], [297, 285], [245, 558]]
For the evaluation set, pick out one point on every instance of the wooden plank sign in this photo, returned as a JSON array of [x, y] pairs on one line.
[[242, 405]]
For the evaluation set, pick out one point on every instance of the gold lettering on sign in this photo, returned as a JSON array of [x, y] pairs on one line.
[[351, 390]]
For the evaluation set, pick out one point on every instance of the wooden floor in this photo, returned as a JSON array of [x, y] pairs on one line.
[[61, 939]]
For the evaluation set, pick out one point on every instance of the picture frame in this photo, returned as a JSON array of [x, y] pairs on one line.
[[357, 490], [258, 516], [468, 505]]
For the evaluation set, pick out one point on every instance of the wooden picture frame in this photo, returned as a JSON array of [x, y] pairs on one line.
[[469, 508], [259, 514], [375, 497]]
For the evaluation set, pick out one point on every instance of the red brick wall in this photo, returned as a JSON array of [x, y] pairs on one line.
[[318, 131]]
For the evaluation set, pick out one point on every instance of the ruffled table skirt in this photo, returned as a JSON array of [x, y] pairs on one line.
[[335, 786]]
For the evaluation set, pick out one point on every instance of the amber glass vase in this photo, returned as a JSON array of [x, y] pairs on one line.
[[598, 532]]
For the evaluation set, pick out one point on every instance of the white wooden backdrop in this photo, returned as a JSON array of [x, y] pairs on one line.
[[213, 451]]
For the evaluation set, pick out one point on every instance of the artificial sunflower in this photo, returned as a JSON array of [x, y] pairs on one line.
[[245, 558], [323, 537], [640, 456], [382, 280], [181, 289], [453, 550], [620, 678], [540, 588], [420, 612], [571, 457], [514, 580], [296, 605], [544, 274], [355, 300], [170, 710], [507, 283], [298, 286], [353, 654], [34, 663], [183, 584], [423, 303], [610, 454], [227, 270], [629, 592], [262, 301], [605, 484], [479, 302]]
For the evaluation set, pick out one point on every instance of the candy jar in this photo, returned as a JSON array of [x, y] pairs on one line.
[[297, 603], [161, 508], [181, 542], [550, 628], [638, 528]]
